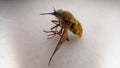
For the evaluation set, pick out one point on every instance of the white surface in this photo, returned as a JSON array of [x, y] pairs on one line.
[[23, 43]]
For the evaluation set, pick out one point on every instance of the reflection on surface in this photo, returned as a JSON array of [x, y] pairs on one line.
[[7, 54]]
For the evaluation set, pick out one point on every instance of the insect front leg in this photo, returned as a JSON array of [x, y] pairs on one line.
[[55, 21]]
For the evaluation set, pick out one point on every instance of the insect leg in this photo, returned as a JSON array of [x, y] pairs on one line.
[[61, 31], [55, 26], [62, 39], [52, 35], [54, 32], [55, 21]]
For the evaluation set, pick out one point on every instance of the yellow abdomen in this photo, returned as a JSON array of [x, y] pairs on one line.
[[76, 28]]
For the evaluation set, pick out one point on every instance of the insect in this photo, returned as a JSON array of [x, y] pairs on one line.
[[66, 21]]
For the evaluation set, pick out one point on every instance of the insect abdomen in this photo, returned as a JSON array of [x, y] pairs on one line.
[[76, 28]]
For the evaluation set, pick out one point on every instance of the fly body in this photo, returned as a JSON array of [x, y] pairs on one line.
[[66, 21], [75, 26]]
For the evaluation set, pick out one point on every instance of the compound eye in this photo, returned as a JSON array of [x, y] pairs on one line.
[[59, 11]]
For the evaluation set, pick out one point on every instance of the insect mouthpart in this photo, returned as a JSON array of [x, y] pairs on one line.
[[47, 13]]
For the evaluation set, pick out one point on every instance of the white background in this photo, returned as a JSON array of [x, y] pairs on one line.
[[23, 43]]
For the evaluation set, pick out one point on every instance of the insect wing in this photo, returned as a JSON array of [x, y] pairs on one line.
[[62, 39]]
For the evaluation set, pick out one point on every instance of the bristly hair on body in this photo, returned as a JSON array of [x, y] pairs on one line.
[[66, 21]]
